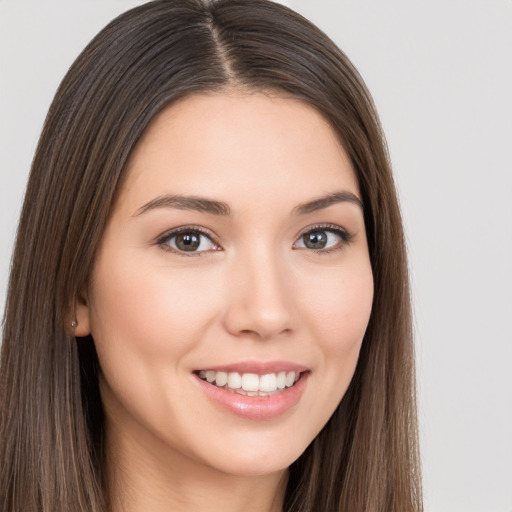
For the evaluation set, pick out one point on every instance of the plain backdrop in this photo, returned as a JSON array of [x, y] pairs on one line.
[[441, 76]]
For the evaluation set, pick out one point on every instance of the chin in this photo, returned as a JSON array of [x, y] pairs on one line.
[[255, 466], [257, 457]]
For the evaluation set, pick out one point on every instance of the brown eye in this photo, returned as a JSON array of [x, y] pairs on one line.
[[315, 239], [188, 241], [323, 239]]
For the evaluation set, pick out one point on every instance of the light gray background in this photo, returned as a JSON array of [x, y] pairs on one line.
[[441, 75]]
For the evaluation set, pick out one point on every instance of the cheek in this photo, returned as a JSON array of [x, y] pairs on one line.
[[340, 309], [145, 319], [339, 316], [148, 308]]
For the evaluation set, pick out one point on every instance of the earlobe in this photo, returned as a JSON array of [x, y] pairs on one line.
[[80, 325]]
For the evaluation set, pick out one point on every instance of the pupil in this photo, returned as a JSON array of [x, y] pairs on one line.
[[315, 240], [187, 242]]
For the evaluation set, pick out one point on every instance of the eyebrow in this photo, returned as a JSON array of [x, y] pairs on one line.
[[199, 204], [211, 206], [343, 196]]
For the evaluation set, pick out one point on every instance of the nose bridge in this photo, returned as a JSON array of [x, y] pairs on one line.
[[260, 301]]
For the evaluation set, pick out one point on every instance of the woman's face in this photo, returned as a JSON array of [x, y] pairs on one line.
[[235, 255]]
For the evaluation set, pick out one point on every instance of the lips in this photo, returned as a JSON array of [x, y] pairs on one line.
[[256, 391]]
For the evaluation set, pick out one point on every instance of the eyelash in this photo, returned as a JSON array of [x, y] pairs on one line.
[[344, 235], [163, 240]]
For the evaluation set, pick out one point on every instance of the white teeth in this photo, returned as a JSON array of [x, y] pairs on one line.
[[221, 379], [251, 384], [234, 380], [281, 380], [268, 382]]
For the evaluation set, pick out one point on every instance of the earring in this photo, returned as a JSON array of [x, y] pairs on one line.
[[74, 323]]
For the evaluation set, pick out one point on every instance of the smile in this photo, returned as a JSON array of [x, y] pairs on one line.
[[251, 384], [255, 390]]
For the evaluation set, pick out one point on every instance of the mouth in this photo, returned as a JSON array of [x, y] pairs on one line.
[[255, 390], [251, 384]]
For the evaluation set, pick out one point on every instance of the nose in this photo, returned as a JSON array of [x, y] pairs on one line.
[[260, 300]]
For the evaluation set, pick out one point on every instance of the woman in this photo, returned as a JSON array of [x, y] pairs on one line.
[[208, 306]]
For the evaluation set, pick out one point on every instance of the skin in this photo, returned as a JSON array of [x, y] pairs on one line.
[[256, 293]]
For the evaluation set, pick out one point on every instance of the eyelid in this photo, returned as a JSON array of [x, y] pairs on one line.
[[343, 233], [162, 239]]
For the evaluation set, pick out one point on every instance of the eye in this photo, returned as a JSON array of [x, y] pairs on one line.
[[323, 238], [187, 240]]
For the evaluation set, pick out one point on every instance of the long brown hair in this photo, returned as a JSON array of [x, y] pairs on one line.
[[51, 419]]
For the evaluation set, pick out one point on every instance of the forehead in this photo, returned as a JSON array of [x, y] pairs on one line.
[[231, 144]]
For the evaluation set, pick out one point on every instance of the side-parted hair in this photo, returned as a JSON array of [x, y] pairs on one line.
[[51, 418]]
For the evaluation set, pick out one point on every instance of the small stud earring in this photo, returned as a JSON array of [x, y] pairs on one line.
[[74, 323]]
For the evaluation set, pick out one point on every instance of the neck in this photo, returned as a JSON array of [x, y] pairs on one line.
[[154, 477]]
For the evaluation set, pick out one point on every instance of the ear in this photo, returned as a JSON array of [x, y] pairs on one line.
[[82, 315]]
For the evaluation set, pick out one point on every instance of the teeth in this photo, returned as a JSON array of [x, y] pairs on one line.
[[268, 382], [251, 384], [234, 380], [221, 379]]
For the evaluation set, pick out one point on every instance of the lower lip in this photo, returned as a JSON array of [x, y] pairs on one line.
[[256, 407]]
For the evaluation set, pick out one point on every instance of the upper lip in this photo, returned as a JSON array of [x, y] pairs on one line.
[[258, 367]]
